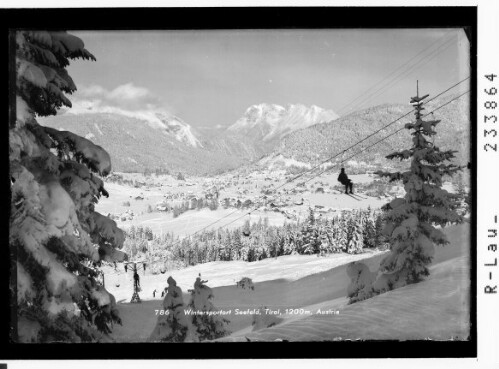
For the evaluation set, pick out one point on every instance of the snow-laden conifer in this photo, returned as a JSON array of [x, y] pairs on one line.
[[56, 234], [355, 239], [173, 325], [207, 321], [411, 222]]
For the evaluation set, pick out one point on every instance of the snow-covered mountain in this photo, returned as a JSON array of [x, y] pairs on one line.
[[151, 137], [160, 119], [270, 121]]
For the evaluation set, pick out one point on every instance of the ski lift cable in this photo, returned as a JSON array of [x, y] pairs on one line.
[[450, 88], [325, 161], [416, 66], [397, 131], [447, 103], [388, 75], [365, 138]]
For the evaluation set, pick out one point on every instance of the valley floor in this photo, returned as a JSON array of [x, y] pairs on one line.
[[195, 220]]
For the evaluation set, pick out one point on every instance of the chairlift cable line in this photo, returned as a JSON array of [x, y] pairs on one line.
[[367, 137], [428, 58], [447, 103], [392, 72], [377, 142], [391, 134]]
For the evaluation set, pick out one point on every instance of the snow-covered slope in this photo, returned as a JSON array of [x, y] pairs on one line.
[[271, 121], [159, 119], [154, 142], [436, 308]]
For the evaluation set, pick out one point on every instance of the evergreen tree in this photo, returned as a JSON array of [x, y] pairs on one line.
[[310, 238], [55, 184], [237, 245], [325, 246], [173, 325], [342, 233], [410, 221], [361, 280], [331, 233], [379, 237], [355, 239], [368, 230], [207, 326], [289, 244]]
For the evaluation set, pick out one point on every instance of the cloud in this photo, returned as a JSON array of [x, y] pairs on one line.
[[127, 96], [129, 92]]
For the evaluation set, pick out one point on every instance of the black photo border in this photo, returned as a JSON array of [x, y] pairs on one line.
[[321, 17]]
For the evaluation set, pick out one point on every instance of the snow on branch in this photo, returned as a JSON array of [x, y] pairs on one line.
[[89, 153], [105, 231]]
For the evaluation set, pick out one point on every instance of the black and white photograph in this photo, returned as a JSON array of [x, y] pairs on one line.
[[221, 185]]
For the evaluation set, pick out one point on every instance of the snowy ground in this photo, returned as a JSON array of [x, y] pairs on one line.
[[221, 273], [196, 220], [436, 308], [310, 282], [296, 281]]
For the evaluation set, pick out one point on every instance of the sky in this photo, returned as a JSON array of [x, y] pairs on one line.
[[209, 78]]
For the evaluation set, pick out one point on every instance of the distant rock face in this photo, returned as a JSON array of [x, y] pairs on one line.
[[179, 129], [270, 121]]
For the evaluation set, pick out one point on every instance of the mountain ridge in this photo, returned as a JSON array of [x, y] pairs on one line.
[[267, 122], [135, 145]]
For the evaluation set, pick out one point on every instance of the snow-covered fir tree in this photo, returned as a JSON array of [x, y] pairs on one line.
[[342, 233], [379, 237], [237, 245], [207, 327], [361, 280], [326, 245], [173, 325], [289, 244], [56, 236], [410, 221], [311, 239], [368, 230], [355, 239]]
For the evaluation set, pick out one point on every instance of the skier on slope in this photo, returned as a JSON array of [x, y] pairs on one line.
[[344, 180]]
